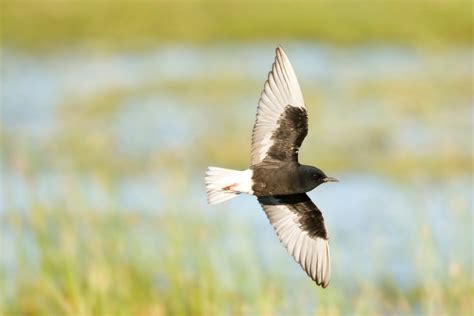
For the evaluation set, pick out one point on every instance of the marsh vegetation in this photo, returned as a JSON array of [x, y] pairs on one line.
[[105, 141]]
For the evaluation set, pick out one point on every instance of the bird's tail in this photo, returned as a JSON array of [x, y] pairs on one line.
[[225, 184]]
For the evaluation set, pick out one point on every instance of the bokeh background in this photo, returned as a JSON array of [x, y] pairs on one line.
[[111, 112]]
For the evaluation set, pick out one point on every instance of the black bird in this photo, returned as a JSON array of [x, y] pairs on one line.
[[277, 178]]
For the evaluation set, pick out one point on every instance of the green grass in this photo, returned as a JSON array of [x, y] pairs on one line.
[[108, 263], [47, 25], [99, 262]]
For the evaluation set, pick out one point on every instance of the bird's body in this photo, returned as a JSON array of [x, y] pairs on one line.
[[282, 178], [276, 177]]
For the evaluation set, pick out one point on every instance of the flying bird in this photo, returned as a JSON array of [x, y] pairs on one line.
[[276, 177]]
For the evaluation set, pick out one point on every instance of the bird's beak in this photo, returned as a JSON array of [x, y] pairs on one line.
[[330, 179]]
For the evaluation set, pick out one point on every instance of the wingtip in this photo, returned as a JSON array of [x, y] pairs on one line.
[[279, 49], [321, 283]]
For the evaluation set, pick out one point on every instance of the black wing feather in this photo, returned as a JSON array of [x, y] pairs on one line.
[[288, 137], [299, 225]]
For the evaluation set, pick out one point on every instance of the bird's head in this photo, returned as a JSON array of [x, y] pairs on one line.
[[316, 176]]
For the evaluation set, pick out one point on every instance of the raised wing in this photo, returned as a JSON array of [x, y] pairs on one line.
[[282, 122], [299, 225]]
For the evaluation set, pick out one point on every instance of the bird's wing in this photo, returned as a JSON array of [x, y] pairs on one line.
[[282, 122], [299, 225]]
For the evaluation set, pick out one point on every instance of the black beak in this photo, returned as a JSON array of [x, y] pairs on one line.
[[330, 179]]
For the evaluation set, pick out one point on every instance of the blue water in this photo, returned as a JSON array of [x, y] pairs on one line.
[[374, 221]]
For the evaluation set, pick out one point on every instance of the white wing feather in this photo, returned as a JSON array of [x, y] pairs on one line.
[[280, 90], [312, 253]]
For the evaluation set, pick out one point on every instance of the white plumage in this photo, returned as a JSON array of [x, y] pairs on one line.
[[224, 184], [280, 90], [312, 253]]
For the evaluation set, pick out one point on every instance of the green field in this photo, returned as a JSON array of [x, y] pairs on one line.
[[47, 25], [110, 263], [111, 112]]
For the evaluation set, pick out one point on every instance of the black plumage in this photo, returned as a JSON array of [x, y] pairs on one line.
[[310, 217], [288, 137]]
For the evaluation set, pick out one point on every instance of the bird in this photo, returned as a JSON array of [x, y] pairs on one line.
[[275, 175]]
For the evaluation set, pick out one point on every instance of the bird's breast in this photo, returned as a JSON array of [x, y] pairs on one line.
[[281, 180]]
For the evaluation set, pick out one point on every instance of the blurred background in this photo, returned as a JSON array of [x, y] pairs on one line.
[[111, 112]]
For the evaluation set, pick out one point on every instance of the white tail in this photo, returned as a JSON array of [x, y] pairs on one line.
[[225, 184]]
